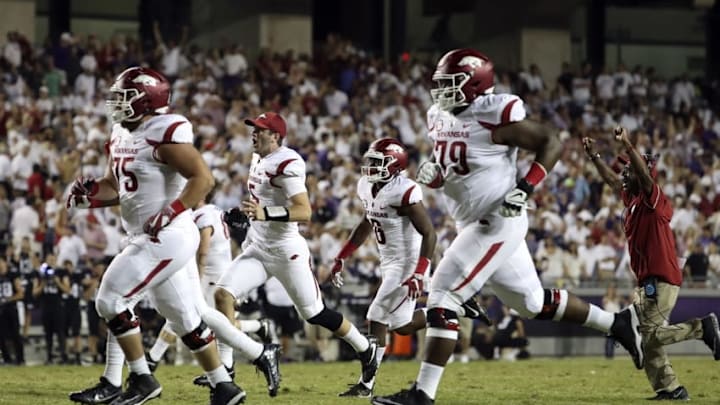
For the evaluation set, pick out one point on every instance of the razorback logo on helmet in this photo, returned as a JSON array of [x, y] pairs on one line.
[[472, 61], [393, 147], [146, 80]]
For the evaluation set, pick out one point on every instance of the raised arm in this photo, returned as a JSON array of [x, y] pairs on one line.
[[611, 178]]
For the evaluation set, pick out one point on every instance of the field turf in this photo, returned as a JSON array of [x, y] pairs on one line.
[[588, 380]]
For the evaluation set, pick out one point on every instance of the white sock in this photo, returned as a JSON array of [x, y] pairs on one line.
[[429, 378], [380, 353], [599, 319], [228, 333], [114, 359], [139, 366], [158, 350], [250, 326], [356, 339], [217, 376], [226, 354]]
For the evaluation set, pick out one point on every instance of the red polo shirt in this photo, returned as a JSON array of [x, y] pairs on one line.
[[650, 241]]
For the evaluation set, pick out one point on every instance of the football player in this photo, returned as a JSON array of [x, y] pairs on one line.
[[274, 245], [155, 174], [476, 136], [405, 236]]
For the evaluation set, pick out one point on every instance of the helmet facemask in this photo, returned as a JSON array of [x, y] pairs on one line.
[[448, 93], [120, 107], [376, 168]]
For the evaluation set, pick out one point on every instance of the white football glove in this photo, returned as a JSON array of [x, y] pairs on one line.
[[77, 201], [516, 200], [430, 174], [336, 273]]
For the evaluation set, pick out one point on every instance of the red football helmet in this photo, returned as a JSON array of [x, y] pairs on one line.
[[460, 77], [137, 92], [385, 158]]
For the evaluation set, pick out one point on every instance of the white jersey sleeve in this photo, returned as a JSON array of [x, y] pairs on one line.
[[172, 128], [498, 109], [291, 177]]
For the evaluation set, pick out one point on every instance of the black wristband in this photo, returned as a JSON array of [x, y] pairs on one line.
[[280, 214], [525, 186]]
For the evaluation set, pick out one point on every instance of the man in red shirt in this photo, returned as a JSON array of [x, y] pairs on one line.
[[654, 262]]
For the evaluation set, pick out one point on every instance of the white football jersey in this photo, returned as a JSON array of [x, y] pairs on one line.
[[398, 240], [145, 184], [271, 182], [219, 255], [478, 173]]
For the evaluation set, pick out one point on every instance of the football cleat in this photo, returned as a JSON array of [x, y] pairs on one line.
[[202, 380], [227, 393], [368, 358], [679, 394], [152, 364], [711, 334], [101, 393], [626, 331], [269, 364], [265, 333], [358, 390], [474, 310], [413, 396], [139, 388]]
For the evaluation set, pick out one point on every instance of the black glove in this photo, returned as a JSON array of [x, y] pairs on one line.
[[236, 219]]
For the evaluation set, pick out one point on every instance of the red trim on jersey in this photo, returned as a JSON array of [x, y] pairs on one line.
[[398, 306], [483, 262], [406, 196], [280, 171], [505, 117], [487, 125], [198, 217], [167, 136], [154, 272]]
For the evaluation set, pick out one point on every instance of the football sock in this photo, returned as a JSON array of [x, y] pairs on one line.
[[158, 350], [229, 334], [599, 319], [226, 354], [139, 366], [250, 326], [114, 361], [356, 339], [429, 378], [217, 376]]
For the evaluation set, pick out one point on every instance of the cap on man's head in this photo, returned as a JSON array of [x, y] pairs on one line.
[[269, 120]]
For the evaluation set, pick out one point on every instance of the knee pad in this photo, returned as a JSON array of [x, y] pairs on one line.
[[442, 323], [199, 338], [554, 305], [123, 324], [327, 318]]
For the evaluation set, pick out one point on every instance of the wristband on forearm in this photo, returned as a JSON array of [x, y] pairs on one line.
[[346, 250], [422, 265], [536, 174], [276, 213]]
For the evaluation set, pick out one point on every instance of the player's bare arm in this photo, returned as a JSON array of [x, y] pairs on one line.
[[608, 175], [535, 137], [187, 161], [361, 232], [357, 237], [87, 192], [202, 252], [637, 162], [298, 211], [423, 224], [532, 136]]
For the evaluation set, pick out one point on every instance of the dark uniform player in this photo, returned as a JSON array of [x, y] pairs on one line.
[[54, 283], [23, 262], [71, 301], [11, 291]]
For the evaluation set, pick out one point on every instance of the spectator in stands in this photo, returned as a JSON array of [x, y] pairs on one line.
[[71, 246], [697, 265]]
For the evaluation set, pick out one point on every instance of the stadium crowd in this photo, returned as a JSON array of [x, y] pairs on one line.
[[53, 127]]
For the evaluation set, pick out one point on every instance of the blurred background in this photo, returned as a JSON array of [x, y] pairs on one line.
[[344, 73]]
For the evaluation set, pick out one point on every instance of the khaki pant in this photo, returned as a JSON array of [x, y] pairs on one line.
[[654, 314]]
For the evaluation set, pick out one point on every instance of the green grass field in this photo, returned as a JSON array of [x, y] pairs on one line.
[[536, 381]]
